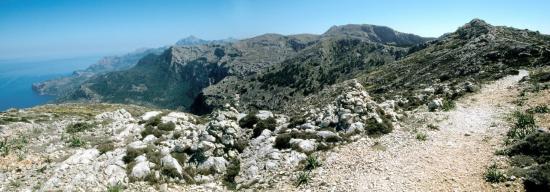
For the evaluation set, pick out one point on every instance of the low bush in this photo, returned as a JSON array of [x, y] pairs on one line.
[[115, 188], [303, 178], [197, 157], [78, 127], [448, 105], [232, 171], [169, 126], [493, 175], [421, 136], [524, 125], [373, 127], [282, 141], [296, 121], [76, 141], [539, 109], [538, 178], [312, 162], [105, 147], [269, 123], [248, 121]]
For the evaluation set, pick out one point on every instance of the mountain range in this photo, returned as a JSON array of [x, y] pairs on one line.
[[276, 72]]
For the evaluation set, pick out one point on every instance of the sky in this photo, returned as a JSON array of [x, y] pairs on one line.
[[62, 28]]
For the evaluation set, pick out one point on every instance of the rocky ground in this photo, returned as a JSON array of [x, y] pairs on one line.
[[347, 145], [458, 147]]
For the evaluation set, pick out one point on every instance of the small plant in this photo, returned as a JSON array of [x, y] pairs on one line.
[[4, 147], [115, 188], [493, 175], [421, 136], [282, 141], [539, 109], [78, 127], [433, 126], [233, 170], [197, 157], [169, 126], [303, 178], [373, 127], [248, 121], [75, 141], [269, 123], [105, 147], [312, 162], [448, 105], [524, 125]]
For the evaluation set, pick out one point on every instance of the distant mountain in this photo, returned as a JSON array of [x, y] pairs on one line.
[[280, 72], [196, 72], [64, 85], [192, 40]]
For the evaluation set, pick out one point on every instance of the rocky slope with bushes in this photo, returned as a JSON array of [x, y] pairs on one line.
[[276, 112]]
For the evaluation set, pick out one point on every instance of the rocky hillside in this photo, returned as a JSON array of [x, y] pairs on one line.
[[94, 147], [444, 68], [343, 52], [61, 86]]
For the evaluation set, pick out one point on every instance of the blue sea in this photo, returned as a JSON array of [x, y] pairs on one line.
[[18, 75]]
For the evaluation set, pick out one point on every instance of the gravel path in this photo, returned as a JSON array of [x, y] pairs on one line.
[[452, 158]]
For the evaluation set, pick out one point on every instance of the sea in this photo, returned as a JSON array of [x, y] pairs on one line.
[[18, 75]]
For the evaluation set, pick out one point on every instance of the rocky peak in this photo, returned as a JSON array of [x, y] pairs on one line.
[[374, 33], [474, 28], [191, 40]]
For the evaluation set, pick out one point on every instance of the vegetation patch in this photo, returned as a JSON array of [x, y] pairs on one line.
[[448, 105], [373, 127], [249, 120], [105, 147], [169, 126], [269, 123], [79, 127], [493, 175], [282, 141], [524, 125], [75, 141]]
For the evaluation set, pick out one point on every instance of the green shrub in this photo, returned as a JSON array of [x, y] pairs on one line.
[[524, 125], [448, 105], [538, 178], [282, 141], [197, 157], [150, 130], [240, 145], [433, 126], [232, 171], [76, 141], [4, 147], [269, 123], [154, 121], [248, 121], [296, 121], [169, 126], [131, 154], [115, 188], [303, 178], [421, 136], [521, 160], [375, 128], [536, 146], [78, 127], [493, 175], [312, 162], [105, 147], [539, 109]]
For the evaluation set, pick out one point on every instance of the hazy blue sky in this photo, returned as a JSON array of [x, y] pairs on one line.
[[61, 28]]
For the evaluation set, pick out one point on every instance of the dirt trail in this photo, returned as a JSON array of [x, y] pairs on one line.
[[452, 158]]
